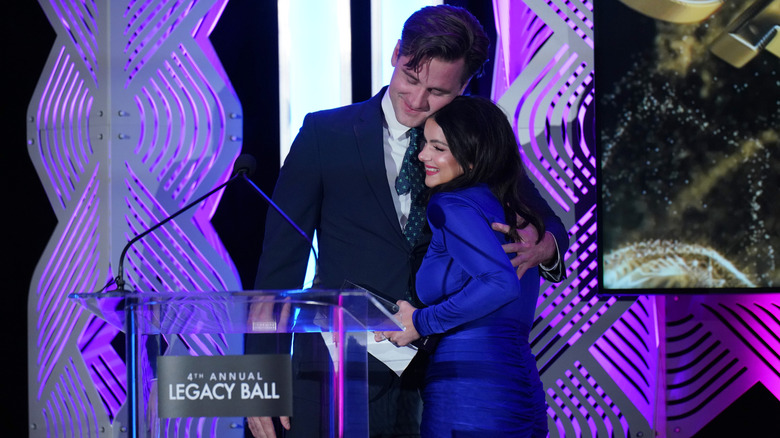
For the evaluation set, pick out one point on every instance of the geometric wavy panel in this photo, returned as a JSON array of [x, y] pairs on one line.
[[629, 350], [132, 119], [103, 363], [718, 347], [598, 357], [633, 366]]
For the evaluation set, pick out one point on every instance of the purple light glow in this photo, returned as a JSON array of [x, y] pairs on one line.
[[533, 119], [140, 49], [191, 91], [575, 19], [192, 131], [84, 421], [51, 351], [201, 279], [202, 221], [56, 315], [180, 116], [339, 375], [141, 121], [626, 352], [47, 281], [46, 100], [584, 149], [63, 157], [209, 22], [87, 111], [559, 411], [61, 127], [567, 139], [77, 35], [103, 362], [155, 124], [58, 118], [201, 34], [211, 115], [612, 416], [68, 146], [521, 34], [550, 109], [78, 112], [159, 120]]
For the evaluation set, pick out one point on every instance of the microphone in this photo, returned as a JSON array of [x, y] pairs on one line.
[[244, 164]]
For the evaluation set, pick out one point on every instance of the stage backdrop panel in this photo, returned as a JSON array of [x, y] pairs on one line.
[[132, 119]]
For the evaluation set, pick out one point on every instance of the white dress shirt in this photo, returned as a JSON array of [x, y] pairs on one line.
[[396, 142]]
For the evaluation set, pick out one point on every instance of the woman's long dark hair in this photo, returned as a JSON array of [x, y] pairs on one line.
[[482, 141]]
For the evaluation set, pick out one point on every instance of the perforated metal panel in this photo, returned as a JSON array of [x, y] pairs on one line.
[[131, 120]]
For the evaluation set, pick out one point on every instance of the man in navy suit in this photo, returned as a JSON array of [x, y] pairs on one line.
[[338, 179]]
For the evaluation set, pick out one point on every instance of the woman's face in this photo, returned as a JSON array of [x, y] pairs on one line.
[[440, 164]]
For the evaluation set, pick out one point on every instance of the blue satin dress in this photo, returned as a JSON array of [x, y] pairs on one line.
[[482, 379]]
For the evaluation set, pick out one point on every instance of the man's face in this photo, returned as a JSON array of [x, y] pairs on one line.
[[417, 95]]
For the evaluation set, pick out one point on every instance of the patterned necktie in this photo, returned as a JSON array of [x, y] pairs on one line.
[[412, 179]]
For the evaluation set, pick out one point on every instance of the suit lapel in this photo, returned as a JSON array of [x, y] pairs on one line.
[[368, 137]]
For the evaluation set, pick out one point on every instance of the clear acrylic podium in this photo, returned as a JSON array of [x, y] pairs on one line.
[[180, 332]]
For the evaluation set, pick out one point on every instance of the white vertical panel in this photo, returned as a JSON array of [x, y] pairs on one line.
[[315, 61], [315, 67], [387, 20]]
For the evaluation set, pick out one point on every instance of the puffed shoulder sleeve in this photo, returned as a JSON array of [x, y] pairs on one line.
[[476, 250]]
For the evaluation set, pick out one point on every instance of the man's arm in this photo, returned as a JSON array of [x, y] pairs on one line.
[[263, 427], [530, 253], [298, 193], [285, 252], [548, 252]]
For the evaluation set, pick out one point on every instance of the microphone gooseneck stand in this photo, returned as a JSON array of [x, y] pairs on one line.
[[119, 279], [242, 166]]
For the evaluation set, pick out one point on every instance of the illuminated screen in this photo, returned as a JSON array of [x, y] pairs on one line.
[[687, 117]]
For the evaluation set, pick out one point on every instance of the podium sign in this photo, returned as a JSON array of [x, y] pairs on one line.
[[188, 374], [224, 386]]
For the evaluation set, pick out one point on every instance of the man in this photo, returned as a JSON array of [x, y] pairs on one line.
[[339, 179]]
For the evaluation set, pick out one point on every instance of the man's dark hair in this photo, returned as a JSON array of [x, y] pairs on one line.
[[447, 33]]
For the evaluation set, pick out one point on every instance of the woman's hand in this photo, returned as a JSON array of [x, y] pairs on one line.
[[409, 334]]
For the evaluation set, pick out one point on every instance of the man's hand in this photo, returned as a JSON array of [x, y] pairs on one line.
[[262, 319], [409, 334], [263, 427], [529, 253]]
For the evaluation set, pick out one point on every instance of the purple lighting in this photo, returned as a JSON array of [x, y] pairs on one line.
[[55, 313], [117, 148], [104, 363], [82, 31], [145, 27]]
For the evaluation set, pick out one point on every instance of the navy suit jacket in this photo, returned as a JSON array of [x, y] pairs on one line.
[[334, 181]]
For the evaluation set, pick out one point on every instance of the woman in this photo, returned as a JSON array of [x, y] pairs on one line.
[[482, 378]]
